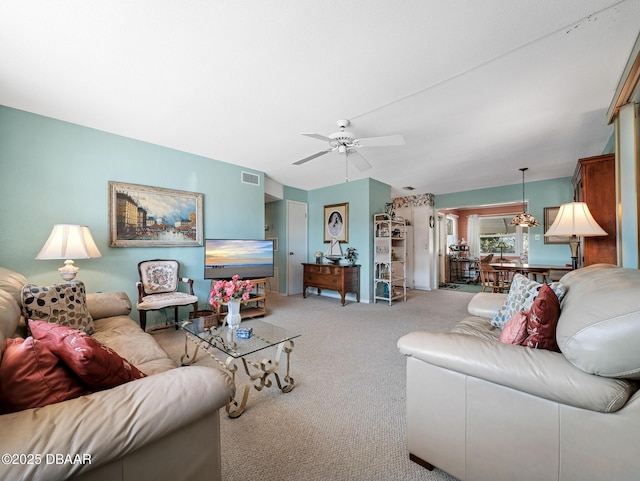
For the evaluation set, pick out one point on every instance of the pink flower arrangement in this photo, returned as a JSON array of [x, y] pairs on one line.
[[224, 291]]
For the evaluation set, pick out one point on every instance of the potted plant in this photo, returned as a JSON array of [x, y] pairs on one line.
[[351, 255]]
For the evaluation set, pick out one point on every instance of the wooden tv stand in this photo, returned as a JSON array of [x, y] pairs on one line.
[[333, 277], [254, 307]]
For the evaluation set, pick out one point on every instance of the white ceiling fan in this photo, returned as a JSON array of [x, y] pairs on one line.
[[345, 142]]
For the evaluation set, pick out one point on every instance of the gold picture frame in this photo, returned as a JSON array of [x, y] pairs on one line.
[[145, 216], [550, 214], [336, 222]]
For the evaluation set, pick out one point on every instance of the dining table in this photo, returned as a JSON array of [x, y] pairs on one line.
[[553, 272]]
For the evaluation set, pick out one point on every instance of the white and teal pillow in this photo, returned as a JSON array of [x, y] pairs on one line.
[[522, 293]]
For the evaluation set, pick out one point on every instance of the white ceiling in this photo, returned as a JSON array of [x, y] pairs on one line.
[[479, 89]]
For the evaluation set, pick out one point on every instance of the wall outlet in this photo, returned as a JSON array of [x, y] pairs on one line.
[[537, 237]]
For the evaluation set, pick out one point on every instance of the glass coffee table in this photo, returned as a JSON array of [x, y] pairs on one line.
[[216, 340]]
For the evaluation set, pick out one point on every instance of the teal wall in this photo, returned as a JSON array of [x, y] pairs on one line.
[[379, 195], [56, 172], [298, 195], [276, 221], [365, 197], [275, 227], [610, 148], [540, 194]]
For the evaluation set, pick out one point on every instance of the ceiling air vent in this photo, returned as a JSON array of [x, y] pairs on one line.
[[249, 178], [408, 187]]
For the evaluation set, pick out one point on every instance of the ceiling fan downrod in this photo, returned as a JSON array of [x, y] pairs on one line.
[[346, 165]]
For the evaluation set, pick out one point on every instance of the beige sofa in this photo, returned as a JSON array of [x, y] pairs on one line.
[[162, 427], [483, 410]]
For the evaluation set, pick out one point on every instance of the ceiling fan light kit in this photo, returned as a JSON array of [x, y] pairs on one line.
[[346, 143]]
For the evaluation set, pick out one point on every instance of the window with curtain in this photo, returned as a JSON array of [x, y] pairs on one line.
[[473, 226], [497, 229]]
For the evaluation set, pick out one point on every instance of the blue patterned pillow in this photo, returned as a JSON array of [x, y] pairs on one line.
[[522, 293]]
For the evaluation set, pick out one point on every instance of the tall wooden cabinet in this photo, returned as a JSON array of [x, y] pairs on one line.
[[594, 182]]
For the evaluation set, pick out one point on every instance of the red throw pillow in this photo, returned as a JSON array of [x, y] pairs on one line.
[[515, 329], [32, 376], [543, 320], [96, 364]]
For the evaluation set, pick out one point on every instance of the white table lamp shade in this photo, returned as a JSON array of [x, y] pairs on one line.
[[69, 242], [574, 219]]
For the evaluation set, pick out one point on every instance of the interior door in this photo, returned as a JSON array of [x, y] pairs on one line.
[[296, 245], [425, 244], [407, 214], [409, 258], [421, 248]]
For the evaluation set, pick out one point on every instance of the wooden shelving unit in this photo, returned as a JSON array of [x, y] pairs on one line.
[[389, 261]]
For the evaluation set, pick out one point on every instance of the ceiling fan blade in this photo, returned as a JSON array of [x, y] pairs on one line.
[[381, 141], [318, 136], [311, 157], [358, 160]]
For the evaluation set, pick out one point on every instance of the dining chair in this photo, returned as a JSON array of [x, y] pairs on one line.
[[543, 277], [494, 280], [486, 259], [158, 288], [477, 265]]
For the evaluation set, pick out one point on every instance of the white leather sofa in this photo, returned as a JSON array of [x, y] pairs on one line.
[[482, 410], [162, 427]]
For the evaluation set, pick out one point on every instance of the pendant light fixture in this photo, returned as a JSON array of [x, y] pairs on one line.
[[524, 219]]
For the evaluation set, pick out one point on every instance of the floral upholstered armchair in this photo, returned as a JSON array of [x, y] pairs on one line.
[[158, 288]]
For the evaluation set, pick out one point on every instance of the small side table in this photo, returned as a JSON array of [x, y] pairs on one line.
[[254, 307]]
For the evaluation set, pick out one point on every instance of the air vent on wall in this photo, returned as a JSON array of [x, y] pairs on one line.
[[249, 178]]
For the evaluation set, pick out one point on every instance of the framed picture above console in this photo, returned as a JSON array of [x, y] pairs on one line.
[[336, 222], [144, 216]]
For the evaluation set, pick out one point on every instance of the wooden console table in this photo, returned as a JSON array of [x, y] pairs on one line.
[[333, 277]]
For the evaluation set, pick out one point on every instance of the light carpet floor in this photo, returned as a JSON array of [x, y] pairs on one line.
[[346, 418]]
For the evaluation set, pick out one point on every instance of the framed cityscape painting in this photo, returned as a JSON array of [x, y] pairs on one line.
[[144, 216]]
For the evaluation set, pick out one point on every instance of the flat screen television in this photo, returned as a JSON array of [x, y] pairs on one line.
[[249, 258]]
